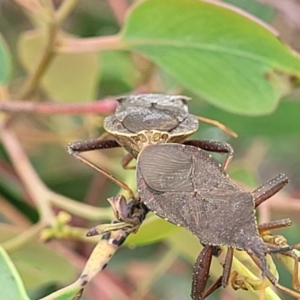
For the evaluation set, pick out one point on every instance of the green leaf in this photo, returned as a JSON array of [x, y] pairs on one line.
[[119, 74], [71, 77], [11, 284], [5, 62], [260, 10], [36, 263], [230, 59], [153, 229], [283, 123]]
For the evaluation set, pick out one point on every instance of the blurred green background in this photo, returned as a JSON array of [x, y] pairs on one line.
[[158, 262]]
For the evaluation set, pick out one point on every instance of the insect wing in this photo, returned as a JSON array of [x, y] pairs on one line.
[[166, 169]]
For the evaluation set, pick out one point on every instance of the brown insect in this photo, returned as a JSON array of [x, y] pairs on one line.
[[145, 119], [187, 187]]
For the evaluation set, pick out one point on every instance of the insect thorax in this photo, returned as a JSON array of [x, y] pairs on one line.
[[135, 143], [147, 119]]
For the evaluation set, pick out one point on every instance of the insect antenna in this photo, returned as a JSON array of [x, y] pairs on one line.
[[217, 124]]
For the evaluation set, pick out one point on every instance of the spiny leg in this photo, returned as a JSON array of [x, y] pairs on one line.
[[274, 225], [269, 189], [261, 261], [201, 272], [76, 148], [226, 275], [217, 284], [91, 145], [237, 282], [225, 278], [279, 247], [221, 281], [261, 194], [213, 146], [227, 267]]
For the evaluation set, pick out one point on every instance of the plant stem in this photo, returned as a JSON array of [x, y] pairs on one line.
[[103, 107], [65, 9], [32, 182], [46, 57], [95, 44], [24, 237], [53, 19], [80, 209]]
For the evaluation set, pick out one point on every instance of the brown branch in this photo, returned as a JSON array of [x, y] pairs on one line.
[[105, 107]]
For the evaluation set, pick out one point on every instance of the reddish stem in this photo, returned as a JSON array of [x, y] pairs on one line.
[[106, 106]]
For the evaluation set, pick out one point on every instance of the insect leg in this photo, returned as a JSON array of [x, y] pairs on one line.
[[269, 189], [125, 162], [286, 256], [295, 274], [201, 272], [274, 280], [225, 278], [212, 288], [227, 267], [274, 225], [76, 148], [91, 145], [213, 146]]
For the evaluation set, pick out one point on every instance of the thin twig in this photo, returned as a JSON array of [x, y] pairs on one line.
[[30, 179], [53, 20], [41, 195], [65, 9], [36, 75], [95, 44], [28, 235], [33, 6], [105, 106], [80, 209], [12, 214]]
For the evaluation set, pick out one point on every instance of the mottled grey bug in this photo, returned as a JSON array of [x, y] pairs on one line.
[[142, 120], [146, 119], [187, 187]]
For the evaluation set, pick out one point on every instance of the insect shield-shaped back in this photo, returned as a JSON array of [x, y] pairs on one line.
[[150, 113], [186, 186]]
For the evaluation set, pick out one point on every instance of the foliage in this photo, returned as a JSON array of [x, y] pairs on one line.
[[234, 66]]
